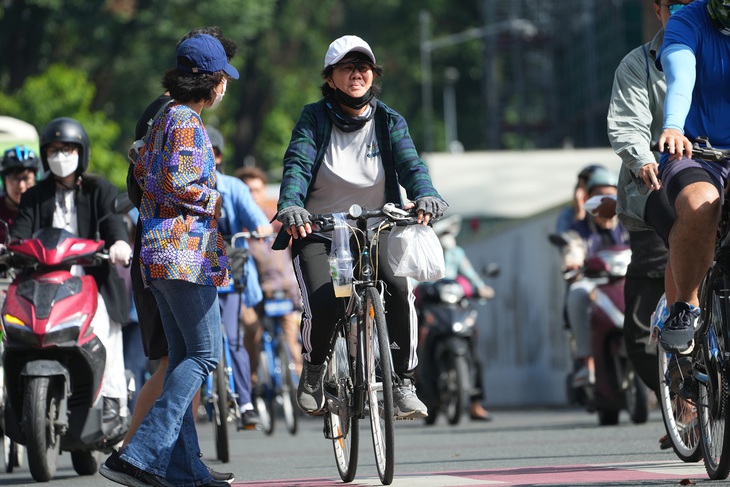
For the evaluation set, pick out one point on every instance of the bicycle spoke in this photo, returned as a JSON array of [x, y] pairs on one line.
[[680, 417]]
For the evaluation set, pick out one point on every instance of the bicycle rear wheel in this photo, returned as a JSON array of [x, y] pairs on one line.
[[341, 425], [287, 394], [680, 417], [379, 384], [714, 392], [220, 408]]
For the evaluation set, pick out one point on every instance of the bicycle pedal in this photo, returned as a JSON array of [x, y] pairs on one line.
[[411, 418], [690, 390]]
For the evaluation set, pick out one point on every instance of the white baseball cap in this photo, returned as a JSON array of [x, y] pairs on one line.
[[340, 47]]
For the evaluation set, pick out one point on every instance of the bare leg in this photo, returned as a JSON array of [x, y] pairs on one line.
[[692, 239], [669, 286], [147, 396]]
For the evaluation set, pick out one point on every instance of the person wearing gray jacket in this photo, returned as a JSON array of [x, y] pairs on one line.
[[635, 118]]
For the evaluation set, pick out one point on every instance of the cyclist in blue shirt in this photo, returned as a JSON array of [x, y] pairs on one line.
[[695, 58], [239, 210]]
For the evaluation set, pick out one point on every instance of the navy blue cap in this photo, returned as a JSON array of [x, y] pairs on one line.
[[206, 55]]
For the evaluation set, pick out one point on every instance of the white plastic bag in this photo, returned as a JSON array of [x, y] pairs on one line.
[[415, 251]]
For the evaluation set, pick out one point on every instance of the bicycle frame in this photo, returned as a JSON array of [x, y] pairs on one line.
[[366, 278], [360, 382]]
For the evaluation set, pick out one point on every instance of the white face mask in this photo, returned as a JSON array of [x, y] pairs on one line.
[[219, 96], [62, 165], [448, 241]]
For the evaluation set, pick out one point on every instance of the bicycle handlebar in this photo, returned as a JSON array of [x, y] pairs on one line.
[[248, 235], [326, 221], [705, 151]]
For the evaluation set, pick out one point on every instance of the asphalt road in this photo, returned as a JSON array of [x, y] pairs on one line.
[[518, 448]]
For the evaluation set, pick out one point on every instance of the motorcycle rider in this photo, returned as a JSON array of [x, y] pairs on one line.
[[594, 233], [458, 266], [575, 212], [18, 171], [74, 200]]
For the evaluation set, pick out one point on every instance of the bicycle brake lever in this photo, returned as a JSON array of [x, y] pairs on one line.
[[394, 212]]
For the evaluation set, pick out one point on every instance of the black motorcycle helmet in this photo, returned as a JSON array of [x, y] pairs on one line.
[[66, 130], [16, 159]]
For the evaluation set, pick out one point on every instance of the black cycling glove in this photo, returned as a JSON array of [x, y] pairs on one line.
[[293, 215], [433, 205]]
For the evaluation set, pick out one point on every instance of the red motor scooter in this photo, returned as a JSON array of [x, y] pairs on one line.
[[617, 386], [53, 362]]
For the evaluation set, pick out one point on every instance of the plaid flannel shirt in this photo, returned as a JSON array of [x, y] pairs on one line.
[[310, 139]]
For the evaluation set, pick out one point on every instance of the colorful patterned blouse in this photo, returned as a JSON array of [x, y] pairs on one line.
[[176, 171]]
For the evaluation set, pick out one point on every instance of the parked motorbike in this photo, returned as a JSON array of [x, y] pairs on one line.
[[617, 386], [447, 365], [53, 361]]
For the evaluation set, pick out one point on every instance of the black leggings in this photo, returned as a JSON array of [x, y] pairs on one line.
[[322, 309]]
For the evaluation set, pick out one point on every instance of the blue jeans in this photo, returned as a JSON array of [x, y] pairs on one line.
[[241, 364], [166, 443]]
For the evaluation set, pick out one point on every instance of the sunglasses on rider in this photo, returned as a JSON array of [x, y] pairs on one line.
[[351, 66]]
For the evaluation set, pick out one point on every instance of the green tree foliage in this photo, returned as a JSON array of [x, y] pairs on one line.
[[515, 92], [63, 91]]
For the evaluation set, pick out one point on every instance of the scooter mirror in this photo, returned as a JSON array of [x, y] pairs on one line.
[[491, 270], [558, 239]]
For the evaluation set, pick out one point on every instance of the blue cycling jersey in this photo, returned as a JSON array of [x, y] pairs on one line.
[[693, 28]]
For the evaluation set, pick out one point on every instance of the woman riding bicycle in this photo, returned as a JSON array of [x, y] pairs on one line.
[[350, 148]]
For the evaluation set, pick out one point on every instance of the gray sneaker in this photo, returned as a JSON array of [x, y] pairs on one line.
[[677, 335], [406, 402], [310, 395]]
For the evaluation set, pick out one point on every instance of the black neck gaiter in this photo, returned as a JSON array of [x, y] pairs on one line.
[[345, 122]]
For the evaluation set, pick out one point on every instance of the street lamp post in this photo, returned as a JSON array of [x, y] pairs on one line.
[[451, 76], [428, 45]]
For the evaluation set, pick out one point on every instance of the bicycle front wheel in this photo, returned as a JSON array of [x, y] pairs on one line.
[[379, 384], [714, 391], [680, 417], [341, 425]]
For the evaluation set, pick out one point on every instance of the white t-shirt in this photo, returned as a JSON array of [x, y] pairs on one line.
[[65, 215], [351, 173]]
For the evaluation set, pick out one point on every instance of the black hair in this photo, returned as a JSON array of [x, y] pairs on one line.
[[377, 71], [188, 87], [228, 45]]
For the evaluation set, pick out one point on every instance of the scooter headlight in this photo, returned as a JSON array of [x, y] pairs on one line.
[[10, 320], [469, 321], [13, 321], [17, 331], [68, 331], [75, 321], [451, 292]]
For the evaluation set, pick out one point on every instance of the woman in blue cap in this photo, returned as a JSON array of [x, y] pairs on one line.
[[183, 260]]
